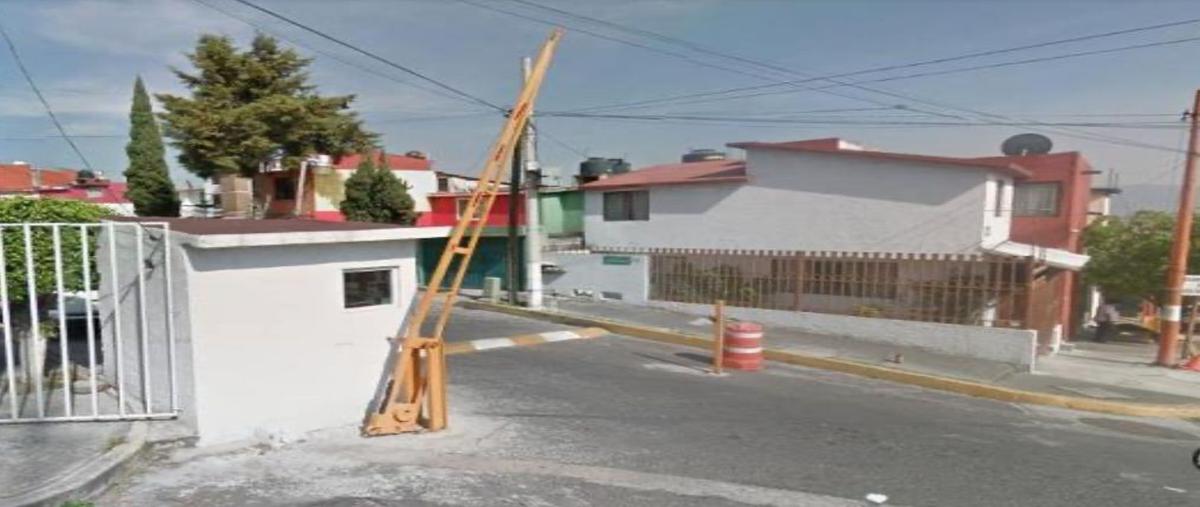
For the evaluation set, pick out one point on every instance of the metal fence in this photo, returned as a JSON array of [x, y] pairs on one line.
[[949, 288], [63, 358]]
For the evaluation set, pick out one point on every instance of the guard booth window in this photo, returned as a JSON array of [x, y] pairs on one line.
[[625, 206], [367, 287]]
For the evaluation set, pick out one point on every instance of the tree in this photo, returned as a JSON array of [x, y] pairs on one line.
[[16, 210], [373, 194], [149, 184], [1129, 255], [247, 105]]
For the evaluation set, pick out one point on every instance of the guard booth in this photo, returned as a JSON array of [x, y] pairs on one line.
[[280, 326]]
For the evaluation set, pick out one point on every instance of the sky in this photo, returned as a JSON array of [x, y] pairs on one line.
[[85, 55]]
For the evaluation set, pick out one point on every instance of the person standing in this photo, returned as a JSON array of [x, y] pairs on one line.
[[1106, 321]]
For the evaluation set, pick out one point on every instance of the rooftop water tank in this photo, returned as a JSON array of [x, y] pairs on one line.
[[703, 155]]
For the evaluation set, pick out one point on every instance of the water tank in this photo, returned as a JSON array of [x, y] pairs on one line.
[[416, 154], [620, 165], [703, 155], [595, 167]]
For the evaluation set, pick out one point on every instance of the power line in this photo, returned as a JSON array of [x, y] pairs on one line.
[[12, 48], [48, 138], [853, 121], [373, 56], [331, 55]]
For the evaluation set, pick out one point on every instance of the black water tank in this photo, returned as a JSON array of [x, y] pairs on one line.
[[703, 155], [594, 167], [619, 165]]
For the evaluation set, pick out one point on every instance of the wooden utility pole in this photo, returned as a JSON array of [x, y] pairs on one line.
[[414, 393], [1177, 269]]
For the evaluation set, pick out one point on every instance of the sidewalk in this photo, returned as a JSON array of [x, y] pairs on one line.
[[1111, 375]]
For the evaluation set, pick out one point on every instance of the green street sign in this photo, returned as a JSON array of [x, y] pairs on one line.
[[618, 260]]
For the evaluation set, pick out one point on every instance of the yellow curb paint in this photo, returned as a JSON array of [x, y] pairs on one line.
[[976, 389], [524, 340]]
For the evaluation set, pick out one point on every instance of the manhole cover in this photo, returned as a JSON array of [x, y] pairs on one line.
[[1137, 428]]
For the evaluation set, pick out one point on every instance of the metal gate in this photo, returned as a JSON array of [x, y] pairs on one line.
[[77, 345]]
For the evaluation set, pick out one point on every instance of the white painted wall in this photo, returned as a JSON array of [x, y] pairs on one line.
[[808, 201], [275, 352], [587, 272], [421, 183]]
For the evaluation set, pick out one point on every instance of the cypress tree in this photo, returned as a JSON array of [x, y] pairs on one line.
[[373, 194], [149, 185]]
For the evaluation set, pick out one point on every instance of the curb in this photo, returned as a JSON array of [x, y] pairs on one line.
[[88, 477], [948, 384], [523, 340]]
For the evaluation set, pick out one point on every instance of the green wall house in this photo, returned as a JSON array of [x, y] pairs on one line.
[[561, 212], [490, 259]]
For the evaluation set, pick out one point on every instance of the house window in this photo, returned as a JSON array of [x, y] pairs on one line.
[[624, 206], [998, 209], [285, 189], [367, 287], [851, 278], [94, 193], [1036, 199]]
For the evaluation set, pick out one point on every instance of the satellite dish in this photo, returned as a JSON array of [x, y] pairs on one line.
[[1026, 144]]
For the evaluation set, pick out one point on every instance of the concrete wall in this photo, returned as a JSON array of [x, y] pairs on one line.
[[807, 201], [588, 272], [127, 301], [276, 354], [1014, 346]]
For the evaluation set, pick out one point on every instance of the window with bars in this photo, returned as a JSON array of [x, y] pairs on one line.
[[626, 206], [367, 287], [1036, 199], [868, 278]]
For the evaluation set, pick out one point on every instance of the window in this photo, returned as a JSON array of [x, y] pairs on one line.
[[1036, 199], [460, 205], [285, 189], [623, 206], [94, 193], [864, 279], [1001, 186], [367, 287]]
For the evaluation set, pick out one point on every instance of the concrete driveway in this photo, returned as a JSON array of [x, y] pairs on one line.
[[618, 421]]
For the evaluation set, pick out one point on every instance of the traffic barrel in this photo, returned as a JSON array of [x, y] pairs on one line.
[[743, 346]]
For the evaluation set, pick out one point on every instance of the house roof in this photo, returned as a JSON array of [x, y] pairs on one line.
[[836, 146], [242, 233], [711, 171], [395, 162], [19, 177]]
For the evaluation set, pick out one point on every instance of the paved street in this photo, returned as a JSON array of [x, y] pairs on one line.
[[619, 421]]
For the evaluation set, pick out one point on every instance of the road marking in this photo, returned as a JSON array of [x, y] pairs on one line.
[[523, 340]]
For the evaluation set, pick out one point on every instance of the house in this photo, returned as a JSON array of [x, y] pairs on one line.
[[253, 329], [829, 227], [491, 254], [818, 195], [24, 179], [276, 189]]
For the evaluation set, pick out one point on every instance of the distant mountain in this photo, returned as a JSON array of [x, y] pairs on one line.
[[1150, 197]]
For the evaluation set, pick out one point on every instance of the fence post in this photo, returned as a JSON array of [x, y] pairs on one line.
[[718, 335]]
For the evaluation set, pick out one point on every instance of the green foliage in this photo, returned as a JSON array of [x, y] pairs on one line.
[[16, 210], [1129, 255], [246, 104], [373, 194], [149, 184]]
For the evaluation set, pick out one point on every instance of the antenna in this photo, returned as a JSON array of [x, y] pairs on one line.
[[1026, 144]]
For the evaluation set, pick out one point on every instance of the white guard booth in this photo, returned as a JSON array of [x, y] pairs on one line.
[[280, 326]]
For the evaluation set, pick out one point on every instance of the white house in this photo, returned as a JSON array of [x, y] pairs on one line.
[[277, 327], [823, 194]]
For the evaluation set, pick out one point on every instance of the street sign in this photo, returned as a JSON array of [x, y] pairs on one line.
[[624, 260], [1191, 285]]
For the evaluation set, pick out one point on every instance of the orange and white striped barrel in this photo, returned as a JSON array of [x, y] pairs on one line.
[[743, 346]]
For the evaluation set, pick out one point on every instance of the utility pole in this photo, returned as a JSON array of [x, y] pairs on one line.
[[533, 223], [514, 239], [1177, 269]]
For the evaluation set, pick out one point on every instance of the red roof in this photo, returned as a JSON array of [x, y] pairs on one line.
[[394, 162], [19, 178], [112, 193], [833, 146], [711, 171]]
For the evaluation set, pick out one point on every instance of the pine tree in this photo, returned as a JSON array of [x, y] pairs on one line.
[[373, 194], [149, 185], [247, 105]]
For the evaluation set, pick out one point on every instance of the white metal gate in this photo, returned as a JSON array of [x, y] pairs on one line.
[[77, 342]]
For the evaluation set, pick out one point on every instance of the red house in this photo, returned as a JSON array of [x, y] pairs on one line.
[[1051, 209], [446, 207]]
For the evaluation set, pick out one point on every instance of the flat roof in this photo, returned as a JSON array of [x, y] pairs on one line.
[[231, 232]]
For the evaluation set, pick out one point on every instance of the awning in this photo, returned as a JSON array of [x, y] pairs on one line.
[[1055, 257]]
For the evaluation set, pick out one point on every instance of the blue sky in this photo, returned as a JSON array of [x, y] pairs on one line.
[[85, 55]]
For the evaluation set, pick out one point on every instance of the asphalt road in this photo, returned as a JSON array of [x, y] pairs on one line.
[[619, 421]]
